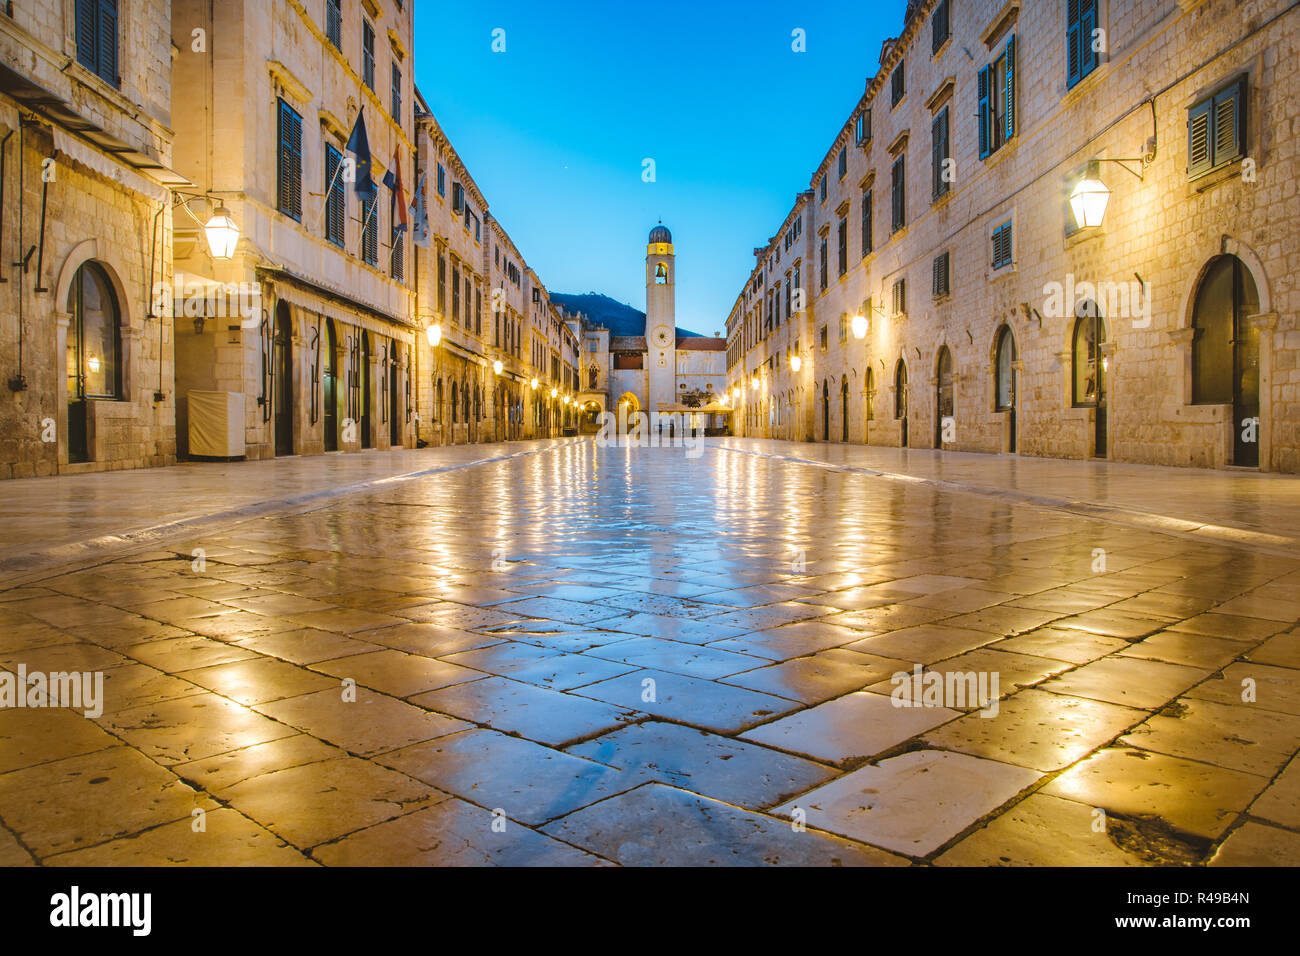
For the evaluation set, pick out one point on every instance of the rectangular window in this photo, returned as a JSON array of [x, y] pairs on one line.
[[367, 54], [455, 293], [900, 296], [334, 23], [336, 197], [457, 198], [1216, 130], [899, 193], [843, 162], [478, 311], [822, 187], [442, 180], [897, 88], [442, 284], [825, 339], [866, 224], [864, 127], [798, 292], [97, 38], [844, 246], [940, 154], [1080, 36], [289, 164], [398, 252], [844, 326], [997, 101], [825, 277], [397, 93], [370, 231], [941, 275], [940, 26], [1002, 246]]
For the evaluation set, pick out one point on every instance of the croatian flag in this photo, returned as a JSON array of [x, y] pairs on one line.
[[359, 147], [420, 217]]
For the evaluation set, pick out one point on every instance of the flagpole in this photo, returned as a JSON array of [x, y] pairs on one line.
[[330, 188], [374, 204]]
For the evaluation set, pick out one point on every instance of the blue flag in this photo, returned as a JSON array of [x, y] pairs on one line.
[[359, 147]]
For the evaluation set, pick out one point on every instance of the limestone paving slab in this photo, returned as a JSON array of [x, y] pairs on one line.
[[913, 803], [818, 677], [1239, 737], [849, 728], [1254, 844], [689, 700], [657, 825], [733, 771], [362, 722]]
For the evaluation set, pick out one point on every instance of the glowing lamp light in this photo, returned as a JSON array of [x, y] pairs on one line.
[[754, 383], [222, 233], [497, 366], [533, 384], [859, 326], [434, 334], [555, 392], [796, 363], [1088, 201]]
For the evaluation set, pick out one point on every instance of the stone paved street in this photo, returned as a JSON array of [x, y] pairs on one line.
[[566, 654]]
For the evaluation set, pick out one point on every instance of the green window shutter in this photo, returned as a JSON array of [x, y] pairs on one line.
[[1011, 87], [1087, 27], [1200, 155], [1073, 44], [984, 112]]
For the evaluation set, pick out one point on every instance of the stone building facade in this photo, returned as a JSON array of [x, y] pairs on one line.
[[318, 355], [86, 147], [936, 288]]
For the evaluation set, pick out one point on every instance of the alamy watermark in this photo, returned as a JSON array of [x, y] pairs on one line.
[[76, 689], [1119, 300], [952, 689], [649, 430]]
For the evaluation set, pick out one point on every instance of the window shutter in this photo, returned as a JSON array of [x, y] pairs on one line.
[[1073, 43], [1228, 144], [1011, 87], [936, 156], [1087, 26], [899, 195], [984, 112], [88, 34], [1200, 157], [108, 41]]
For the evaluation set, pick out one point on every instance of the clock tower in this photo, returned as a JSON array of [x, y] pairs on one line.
[[660, 318]]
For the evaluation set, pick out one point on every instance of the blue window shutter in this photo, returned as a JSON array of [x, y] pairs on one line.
[[108, 41], [1200, 154], [1087, 25], [1011, 86], [88, 34], [1073, 47], [984, 112]]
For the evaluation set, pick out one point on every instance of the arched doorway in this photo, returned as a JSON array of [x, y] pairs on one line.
[[1004, 382], [628, 406], [331, 382], [868, 402], [1225, 352], [282, 383], [944, 405], [94, 351], [826, 411], [844, 409], [366, 438], [1090, 367], [394, 421], [900, 401]]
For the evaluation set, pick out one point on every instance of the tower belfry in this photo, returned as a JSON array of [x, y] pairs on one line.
[[660, 317]]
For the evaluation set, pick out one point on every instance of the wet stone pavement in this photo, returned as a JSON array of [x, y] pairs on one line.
[[586, 656]]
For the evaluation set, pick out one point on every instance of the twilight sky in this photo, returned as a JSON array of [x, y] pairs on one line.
[[555, 129]]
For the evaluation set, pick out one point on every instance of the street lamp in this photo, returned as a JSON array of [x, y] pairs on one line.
[[497, 367], [222, 233], [859, 326], [1089, 200], [434, 334], [796, 363], [533, 384], [555, 392]]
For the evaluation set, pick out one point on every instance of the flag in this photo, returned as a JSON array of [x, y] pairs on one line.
[[359, 147], [397, 204], [419, 216]]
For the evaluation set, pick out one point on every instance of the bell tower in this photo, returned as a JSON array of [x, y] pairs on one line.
[[660, 317]]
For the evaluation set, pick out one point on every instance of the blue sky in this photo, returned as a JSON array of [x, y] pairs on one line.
[[556, 128]]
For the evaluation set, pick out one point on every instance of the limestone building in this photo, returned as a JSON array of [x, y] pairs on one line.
[[936, 286], [85, 169], [318, 355]]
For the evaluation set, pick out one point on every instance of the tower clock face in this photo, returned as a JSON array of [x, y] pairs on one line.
[[662, 337]]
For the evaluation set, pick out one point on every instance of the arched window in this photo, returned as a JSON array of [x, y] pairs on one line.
[[1089, 367], [871, 393], [1225, 300], [437, 401], [94, 336], [1004, 371], [661, 274], [945, 398]]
